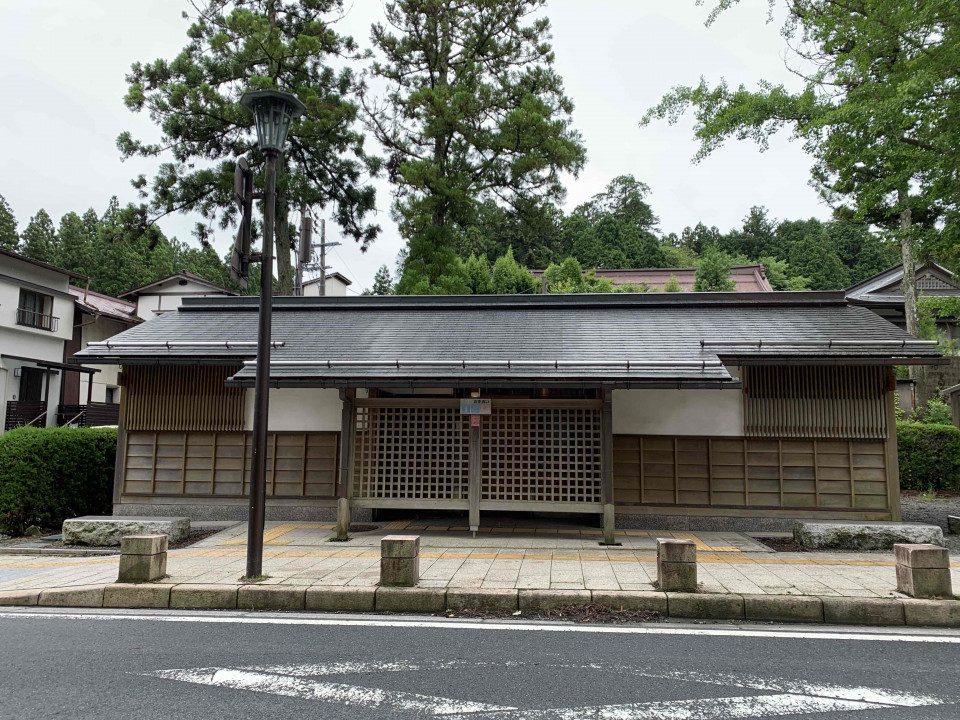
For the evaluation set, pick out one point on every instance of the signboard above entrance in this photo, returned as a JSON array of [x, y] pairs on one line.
[[474, 406]]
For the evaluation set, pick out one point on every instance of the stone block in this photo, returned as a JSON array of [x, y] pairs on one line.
[[399, 571], [204, 597], [488, 600], [271, 597], [921, 556], [341, 599], [676, 577], [862, 611], [677, 551], [953, 524], [76, 596], [411, 600], [106, 530], [924, 582], [632, 600], [932, 613], [705, 606], [136, 596], [541, 600], [142, 568], [400, 546], [143, 544], [19, 597], [863, 536], [783, 608]]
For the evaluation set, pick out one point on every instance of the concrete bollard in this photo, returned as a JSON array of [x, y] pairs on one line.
[[143, 558], [923, 571], [400, 560], [676, 565], [953, 524]]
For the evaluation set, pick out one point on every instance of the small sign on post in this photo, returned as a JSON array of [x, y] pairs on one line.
[[474, 421], [475, 406]]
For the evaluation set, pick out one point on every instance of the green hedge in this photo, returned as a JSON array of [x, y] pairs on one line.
[[48, 475], [929, 456]]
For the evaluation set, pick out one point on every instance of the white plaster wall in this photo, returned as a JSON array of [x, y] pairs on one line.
[[299, 410], [678, 412], [10, 300], [335, 288], [169, 295], [100, 329]]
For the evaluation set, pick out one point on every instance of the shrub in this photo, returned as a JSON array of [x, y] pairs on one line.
[[929, 456], [935, 412], [48, 475]]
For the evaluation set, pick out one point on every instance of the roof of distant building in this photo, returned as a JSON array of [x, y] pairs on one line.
[[182, 275], [99, 304], [884, 288], [748, 278], [45, 266], [334, 275]]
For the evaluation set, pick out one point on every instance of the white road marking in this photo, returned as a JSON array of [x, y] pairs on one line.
[[799, 697], [712, 631], [327, 692]]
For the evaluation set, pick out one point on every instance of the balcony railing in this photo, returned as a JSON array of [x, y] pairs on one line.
[[31, 318]]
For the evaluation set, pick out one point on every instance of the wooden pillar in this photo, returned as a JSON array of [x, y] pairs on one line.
[[606, 468], [89, 388], [46, 399], [474, 466], [121, 461], [893, 461], [346, 458]]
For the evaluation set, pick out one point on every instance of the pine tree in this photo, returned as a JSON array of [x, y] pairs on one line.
[[75, 247], [382, 282], [510, 278], [39, 239]]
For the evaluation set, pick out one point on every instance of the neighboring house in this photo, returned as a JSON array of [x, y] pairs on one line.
[[882, 294], [94, 399], [36, 322], [163, 296], [708, 407], [748, 278], [336, 286]]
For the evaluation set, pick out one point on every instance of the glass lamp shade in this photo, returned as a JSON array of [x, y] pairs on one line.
[[273, 111]]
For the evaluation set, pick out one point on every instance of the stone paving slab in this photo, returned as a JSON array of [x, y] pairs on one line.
[[219, 560]]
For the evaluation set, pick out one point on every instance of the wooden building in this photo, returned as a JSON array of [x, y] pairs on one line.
[[632, 407]]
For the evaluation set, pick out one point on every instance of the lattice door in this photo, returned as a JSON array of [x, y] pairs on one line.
[[541, 455], [417, 453]]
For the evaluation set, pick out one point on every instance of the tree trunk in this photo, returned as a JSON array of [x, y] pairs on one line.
[[284, 268], [909, 285]]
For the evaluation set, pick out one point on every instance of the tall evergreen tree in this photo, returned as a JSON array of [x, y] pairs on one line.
[[75, 245], [382, 282], [474, 111], [39, 239], [9, 239], [255, 44]]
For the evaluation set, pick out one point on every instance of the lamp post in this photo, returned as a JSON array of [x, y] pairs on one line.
[[273, 112]]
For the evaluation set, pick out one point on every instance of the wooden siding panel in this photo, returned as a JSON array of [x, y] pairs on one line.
[[181, 398], [750, 473], [206, 464]]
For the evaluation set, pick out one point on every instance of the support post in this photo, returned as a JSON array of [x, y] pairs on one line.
[[890, 445], [606, 468], [346, 455], [473, 483], [261, 407]]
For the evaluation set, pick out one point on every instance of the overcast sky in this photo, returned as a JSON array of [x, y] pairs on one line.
[[62, 67]]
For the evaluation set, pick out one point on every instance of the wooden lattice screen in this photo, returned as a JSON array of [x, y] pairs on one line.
[[541, 455], [411, 453], [814, 401], [181, 398]]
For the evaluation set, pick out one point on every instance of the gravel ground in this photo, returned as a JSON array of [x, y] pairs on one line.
[[933, 511]]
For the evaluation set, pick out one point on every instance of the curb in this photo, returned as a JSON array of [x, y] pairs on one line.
[[833, 610], [60, 552]]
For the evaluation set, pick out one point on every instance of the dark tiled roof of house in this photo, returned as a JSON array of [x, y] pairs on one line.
[[588, 338], [99, 304], [884, 288]]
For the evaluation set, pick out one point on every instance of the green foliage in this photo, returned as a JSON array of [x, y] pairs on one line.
[[479, 274], [9, 238], [780, 277], [474, 112], [569, 277], [382, 282], [935, 412], [929, 456], [714, 272], [673, 285], [48, 475], [510, 278], [931, 312], [629, 287], [255, 44], [39, 239]]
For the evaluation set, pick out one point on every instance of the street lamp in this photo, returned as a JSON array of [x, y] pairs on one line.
[[273, 112]]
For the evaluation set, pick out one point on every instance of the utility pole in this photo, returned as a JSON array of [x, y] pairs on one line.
[[322, 266]]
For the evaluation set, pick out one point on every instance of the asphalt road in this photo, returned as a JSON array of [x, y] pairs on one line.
[[136, 664]]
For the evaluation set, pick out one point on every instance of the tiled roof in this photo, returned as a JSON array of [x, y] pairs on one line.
[[622, 338], [884, 288], [185, 274], [100, 304], [747, 278]]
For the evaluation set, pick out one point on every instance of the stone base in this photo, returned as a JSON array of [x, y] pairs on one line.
[[106, 530], [142, 568], [302, 513], [708, 523], [953, 524], [863, 536]]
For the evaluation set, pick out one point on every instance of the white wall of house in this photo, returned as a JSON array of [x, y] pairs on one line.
[[167, 296], [335, 288], [299, 410], [100, 329], [678, 412]]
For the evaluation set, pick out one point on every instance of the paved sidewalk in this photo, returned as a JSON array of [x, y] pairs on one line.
[[301, 554]]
